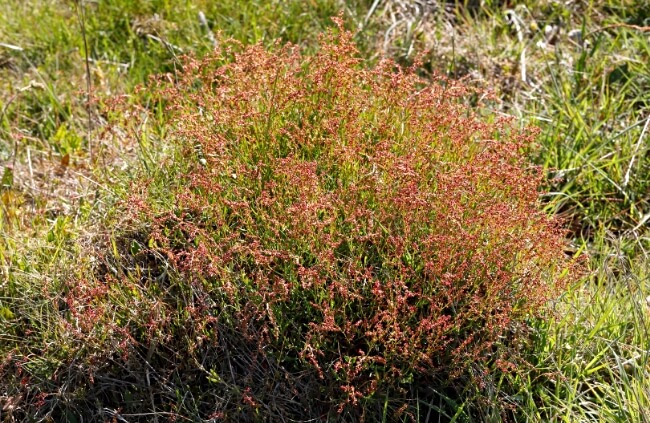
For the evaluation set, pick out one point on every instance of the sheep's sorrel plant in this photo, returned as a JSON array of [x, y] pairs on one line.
[[361, 224]]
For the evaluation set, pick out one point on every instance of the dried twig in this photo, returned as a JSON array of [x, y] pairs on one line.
[[11, 47], [626, 180], [516, 22], [204, 23], [620, 25]]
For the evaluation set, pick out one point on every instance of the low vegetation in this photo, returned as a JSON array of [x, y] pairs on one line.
[[307, 231]]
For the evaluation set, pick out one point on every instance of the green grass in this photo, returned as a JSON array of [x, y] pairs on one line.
[[58, 208], [592, 361]]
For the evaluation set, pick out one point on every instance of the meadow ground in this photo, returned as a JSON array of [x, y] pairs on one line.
[[579, 71]]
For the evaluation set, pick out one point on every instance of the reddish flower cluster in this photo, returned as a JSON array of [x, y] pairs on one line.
[[364, 219]]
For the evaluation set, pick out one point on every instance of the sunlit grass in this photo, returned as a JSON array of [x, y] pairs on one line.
[[587, 94]]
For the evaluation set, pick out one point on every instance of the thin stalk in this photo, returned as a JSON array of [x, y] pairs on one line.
[[81, 18]]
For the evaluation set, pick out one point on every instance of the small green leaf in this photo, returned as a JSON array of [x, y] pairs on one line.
[[214, 377], [6, 313], [8, 177], [50, 236], [135, 247]]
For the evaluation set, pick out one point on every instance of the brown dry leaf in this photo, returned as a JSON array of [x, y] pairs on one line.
[[9, 404], [65, 160]]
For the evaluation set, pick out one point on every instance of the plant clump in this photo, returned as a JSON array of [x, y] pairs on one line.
[[359, 224]]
